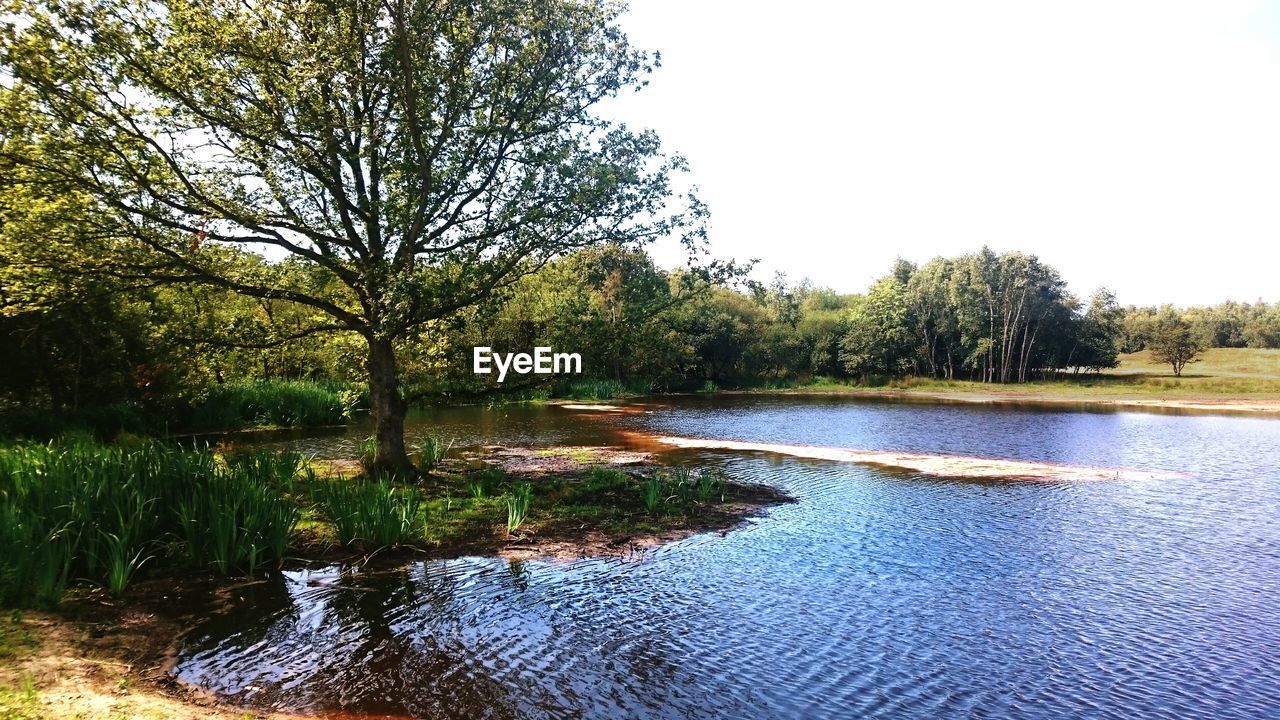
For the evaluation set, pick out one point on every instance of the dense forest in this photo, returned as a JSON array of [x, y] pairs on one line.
[[86, 346]]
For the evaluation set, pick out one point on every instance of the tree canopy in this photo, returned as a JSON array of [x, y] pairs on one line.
[[415, 155]]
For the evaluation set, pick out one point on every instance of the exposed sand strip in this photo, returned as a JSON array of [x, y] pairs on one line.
[[926, 464]]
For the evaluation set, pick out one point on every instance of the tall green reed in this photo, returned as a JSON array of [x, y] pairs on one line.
[[433, 451], [373, 514], [100, 513], [518, 502]]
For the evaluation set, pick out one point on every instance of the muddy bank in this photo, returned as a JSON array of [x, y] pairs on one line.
[[559, 459], [102, 659]]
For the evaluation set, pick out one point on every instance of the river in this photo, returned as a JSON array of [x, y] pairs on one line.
[[880, 593]]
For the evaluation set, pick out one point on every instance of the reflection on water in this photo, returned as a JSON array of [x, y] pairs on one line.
[[878, 594]]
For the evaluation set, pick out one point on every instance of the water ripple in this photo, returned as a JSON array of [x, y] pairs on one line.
[[881, 593]]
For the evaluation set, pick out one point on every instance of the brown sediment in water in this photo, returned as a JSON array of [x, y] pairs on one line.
[[956, 466], [558, 458]]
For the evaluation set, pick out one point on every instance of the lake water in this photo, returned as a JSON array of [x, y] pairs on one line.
[[879, 594]]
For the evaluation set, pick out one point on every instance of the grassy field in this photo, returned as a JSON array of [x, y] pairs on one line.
[[1215, 363], [1227, 379]]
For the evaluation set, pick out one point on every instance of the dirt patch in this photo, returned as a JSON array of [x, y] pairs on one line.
[[100, 659], [570, 542]]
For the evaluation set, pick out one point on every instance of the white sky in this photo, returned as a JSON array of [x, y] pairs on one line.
[[1129, 143]]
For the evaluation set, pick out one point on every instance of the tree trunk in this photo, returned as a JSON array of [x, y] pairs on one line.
[[387, 409]]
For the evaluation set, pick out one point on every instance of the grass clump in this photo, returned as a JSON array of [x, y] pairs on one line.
[[681, 489], [607, 389], [432, 451], [230, 522], [286, 403], [101, 513], [372, 514], [518, 502]]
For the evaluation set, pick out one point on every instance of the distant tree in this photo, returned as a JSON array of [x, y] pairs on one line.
[[934, 318], [1174, 341], [1095, 344], [1263, 330], [878, 340]]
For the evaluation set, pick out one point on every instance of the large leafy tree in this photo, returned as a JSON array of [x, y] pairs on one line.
[[420, 153]]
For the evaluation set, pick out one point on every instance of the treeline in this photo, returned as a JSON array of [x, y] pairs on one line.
[[984, 316], [988, 317], [996, 318], [1227, 325]]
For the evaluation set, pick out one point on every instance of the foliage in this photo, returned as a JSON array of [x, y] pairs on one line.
[[372, 514], [1174, 342], [412, 159], [102, 513], [518, 501]]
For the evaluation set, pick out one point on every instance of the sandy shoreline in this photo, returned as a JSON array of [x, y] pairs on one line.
[[954, 466]]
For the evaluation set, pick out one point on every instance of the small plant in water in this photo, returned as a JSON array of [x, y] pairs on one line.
[[434, 450], [710, 485], [518, 506]]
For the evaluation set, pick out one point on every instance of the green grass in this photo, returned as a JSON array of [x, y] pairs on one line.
[[606, 389], [1215, 363], [280, 403], [518, 501], [102, 513], [1223, 373], [372, 515], [108, 515], [432, 450]]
